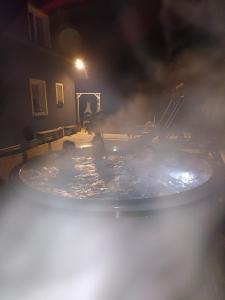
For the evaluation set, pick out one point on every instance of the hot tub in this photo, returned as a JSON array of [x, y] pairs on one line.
[[135, 235], [121, 181]]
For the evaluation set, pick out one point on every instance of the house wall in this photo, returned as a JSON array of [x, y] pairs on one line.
[[20, 61]]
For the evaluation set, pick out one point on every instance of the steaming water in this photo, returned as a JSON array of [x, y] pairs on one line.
[[117, 176], [55, 254]]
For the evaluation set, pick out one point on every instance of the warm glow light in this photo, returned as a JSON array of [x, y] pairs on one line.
[[79, 64], [85, 146]]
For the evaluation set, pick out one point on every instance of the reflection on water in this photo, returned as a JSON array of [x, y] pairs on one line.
[[116, 176]]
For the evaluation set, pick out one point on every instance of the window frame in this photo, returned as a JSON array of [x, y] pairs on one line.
[[59, 104], [42, 82], [34, 34]]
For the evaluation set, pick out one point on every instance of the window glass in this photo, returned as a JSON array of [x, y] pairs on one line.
[[38, 97], [59, 94]]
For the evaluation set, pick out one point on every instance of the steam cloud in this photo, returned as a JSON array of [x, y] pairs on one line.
[[56, 254]]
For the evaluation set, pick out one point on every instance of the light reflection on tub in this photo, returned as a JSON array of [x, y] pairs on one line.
[[116, 176]]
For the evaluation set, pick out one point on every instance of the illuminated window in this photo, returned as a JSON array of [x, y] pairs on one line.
[[59, 94], [39, 31], [38, 97]]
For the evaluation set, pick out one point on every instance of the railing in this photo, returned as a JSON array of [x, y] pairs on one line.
[[41, 137], [169, 115]]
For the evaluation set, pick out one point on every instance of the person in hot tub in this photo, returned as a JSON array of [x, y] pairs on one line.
[[103, 166], [98, 146], [64, 161], [68, 148]]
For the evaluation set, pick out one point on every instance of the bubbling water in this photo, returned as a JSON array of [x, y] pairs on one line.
[[117, 176]]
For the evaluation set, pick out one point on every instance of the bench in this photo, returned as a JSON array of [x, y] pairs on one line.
[[72, 129], [51, 135], [12, 150], [19, 149], [41, 137]]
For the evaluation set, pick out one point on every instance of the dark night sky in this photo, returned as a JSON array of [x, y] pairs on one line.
[[122, 38], [115, 33], [125, 37]]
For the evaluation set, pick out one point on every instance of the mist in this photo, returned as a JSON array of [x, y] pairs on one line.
[[56, 250], [58, 254]]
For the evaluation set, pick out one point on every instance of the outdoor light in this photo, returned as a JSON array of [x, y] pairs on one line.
[[185, 177], [85, 146], [79, 64]]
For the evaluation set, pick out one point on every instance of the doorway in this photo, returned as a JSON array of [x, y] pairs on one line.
[[87, 104]]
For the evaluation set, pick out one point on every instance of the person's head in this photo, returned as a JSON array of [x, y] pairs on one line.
[[68, 146], [98, 135]]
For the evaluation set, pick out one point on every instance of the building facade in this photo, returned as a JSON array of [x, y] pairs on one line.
[[37, 88]]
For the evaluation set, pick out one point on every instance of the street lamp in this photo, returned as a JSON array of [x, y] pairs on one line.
[[80, 65]]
